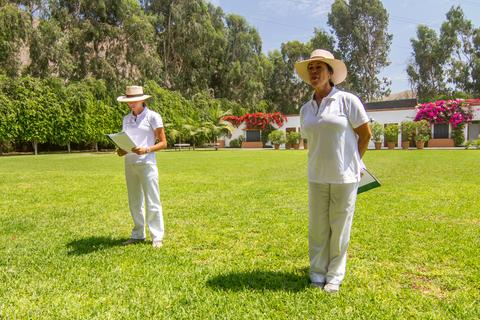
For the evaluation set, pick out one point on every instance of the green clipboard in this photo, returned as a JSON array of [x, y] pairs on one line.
[[367, 182]]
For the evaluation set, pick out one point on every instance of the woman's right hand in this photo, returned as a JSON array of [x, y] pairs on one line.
[[121, 152]]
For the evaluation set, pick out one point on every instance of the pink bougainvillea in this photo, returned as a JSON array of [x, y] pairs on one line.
[[455, 112]]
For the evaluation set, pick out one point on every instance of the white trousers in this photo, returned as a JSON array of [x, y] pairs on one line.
[[331, 209], [142, 185]]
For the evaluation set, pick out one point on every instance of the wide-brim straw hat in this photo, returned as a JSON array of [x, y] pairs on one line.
[[133, 93], [339, 68]]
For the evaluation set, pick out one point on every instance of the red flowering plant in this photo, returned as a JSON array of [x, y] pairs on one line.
[[234, 120], [455, 112], [258, 120]]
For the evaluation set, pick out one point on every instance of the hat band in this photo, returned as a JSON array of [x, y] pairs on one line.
[[134, 95]]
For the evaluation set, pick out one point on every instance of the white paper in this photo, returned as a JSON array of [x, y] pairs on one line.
[[368, 181], [122, 141], [366, 178]]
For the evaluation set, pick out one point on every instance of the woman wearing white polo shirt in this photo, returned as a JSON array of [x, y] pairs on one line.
[[335, 124], [145, 128]]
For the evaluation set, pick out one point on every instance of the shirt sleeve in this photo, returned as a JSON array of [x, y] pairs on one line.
[[156, 121], [302, 118], [356, 112]]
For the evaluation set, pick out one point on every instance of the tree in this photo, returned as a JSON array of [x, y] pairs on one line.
[[360, 27], [458, 38], [8, 121], [243, 69], [109, 39], [49, 51], [191, 42], [427, 71], [34, 8], [14, 30], [35, 105], [284, 89]]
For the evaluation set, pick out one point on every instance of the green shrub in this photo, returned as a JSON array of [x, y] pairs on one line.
[[293, 137], [391, 132], [423, 131], [408, 130], [377, 131], [277, 137], [473, 144], [236, 143], [458, 136]]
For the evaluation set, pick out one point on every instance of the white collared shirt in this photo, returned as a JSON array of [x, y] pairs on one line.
[[141, 129], [333, 155]]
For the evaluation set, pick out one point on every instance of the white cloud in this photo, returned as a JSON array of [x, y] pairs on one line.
[[311, 8]]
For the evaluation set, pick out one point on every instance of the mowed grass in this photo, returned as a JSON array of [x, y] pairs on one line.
[[236, 239]]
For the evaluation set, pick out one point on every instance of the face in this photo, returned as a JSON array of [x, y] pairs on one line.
[[319, 74], [136, 106]]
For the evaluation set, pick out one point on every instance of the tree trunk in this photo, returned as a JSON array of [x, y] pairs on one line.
[[68, 147], [35, 147], [96, 146]]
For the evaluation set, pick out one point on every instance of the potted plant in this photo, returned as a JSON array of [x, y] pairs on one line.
[[277, 137], [408, 131], [423, 133], [391, 135], [377, 133], [293, 139]]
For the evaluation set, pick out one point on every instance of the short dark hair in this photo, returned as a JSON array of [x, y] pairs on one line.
[[330, 70]]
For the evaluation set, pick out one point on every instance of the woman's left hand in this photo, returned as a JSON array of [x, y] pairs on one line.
[[140, 150]]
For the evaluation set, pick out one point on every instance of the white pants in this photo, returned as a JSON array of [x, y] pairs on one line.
[[142, 185], [331, 213]]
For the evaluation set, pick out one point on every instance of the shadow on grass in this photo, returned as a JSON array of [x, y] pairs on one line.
[[261, 280], [92, 244]]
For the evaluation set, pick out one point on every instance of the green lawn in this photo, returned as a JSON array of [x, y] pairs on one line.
[[236, 240]]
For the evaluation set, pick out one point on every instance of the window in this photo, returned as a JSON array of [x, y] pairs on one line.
[[474, 130], [253, 136], [440, 131]]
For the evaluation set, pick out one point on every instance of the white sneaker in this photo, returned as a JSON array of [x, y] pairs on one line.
[[331, 288], [157, 243]]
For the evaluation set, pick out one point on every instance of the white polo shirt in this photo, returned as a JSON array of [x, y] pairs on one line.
[[141, 129], [333, 155]]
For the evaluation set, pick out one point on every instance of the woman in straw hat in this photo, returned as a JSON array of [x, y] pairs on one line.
[[145, 128], [336, 126]]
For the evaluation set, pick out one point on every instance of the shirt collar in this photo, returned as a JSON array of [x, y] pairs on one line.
[[330, 96], [141, 115]]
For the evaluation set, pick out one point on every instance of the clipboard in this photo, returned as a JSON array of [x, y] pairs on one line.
[[367, 182], [122, 141]]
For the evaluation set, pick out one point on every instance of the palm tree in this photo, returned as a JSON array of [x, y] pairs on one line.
[[218, 127]]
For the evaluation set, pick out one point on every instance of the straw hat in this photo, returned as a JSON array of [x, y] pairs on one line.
[[339, 68], [133, 93]]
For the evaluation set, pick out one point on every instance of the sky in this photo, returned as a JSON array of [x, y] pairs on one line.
[[279, 21]]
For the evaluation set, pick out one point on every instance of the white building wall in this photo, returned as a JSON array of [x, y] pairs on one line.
[[293, 121], [391, 116], [238, 132], [381, 116]]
